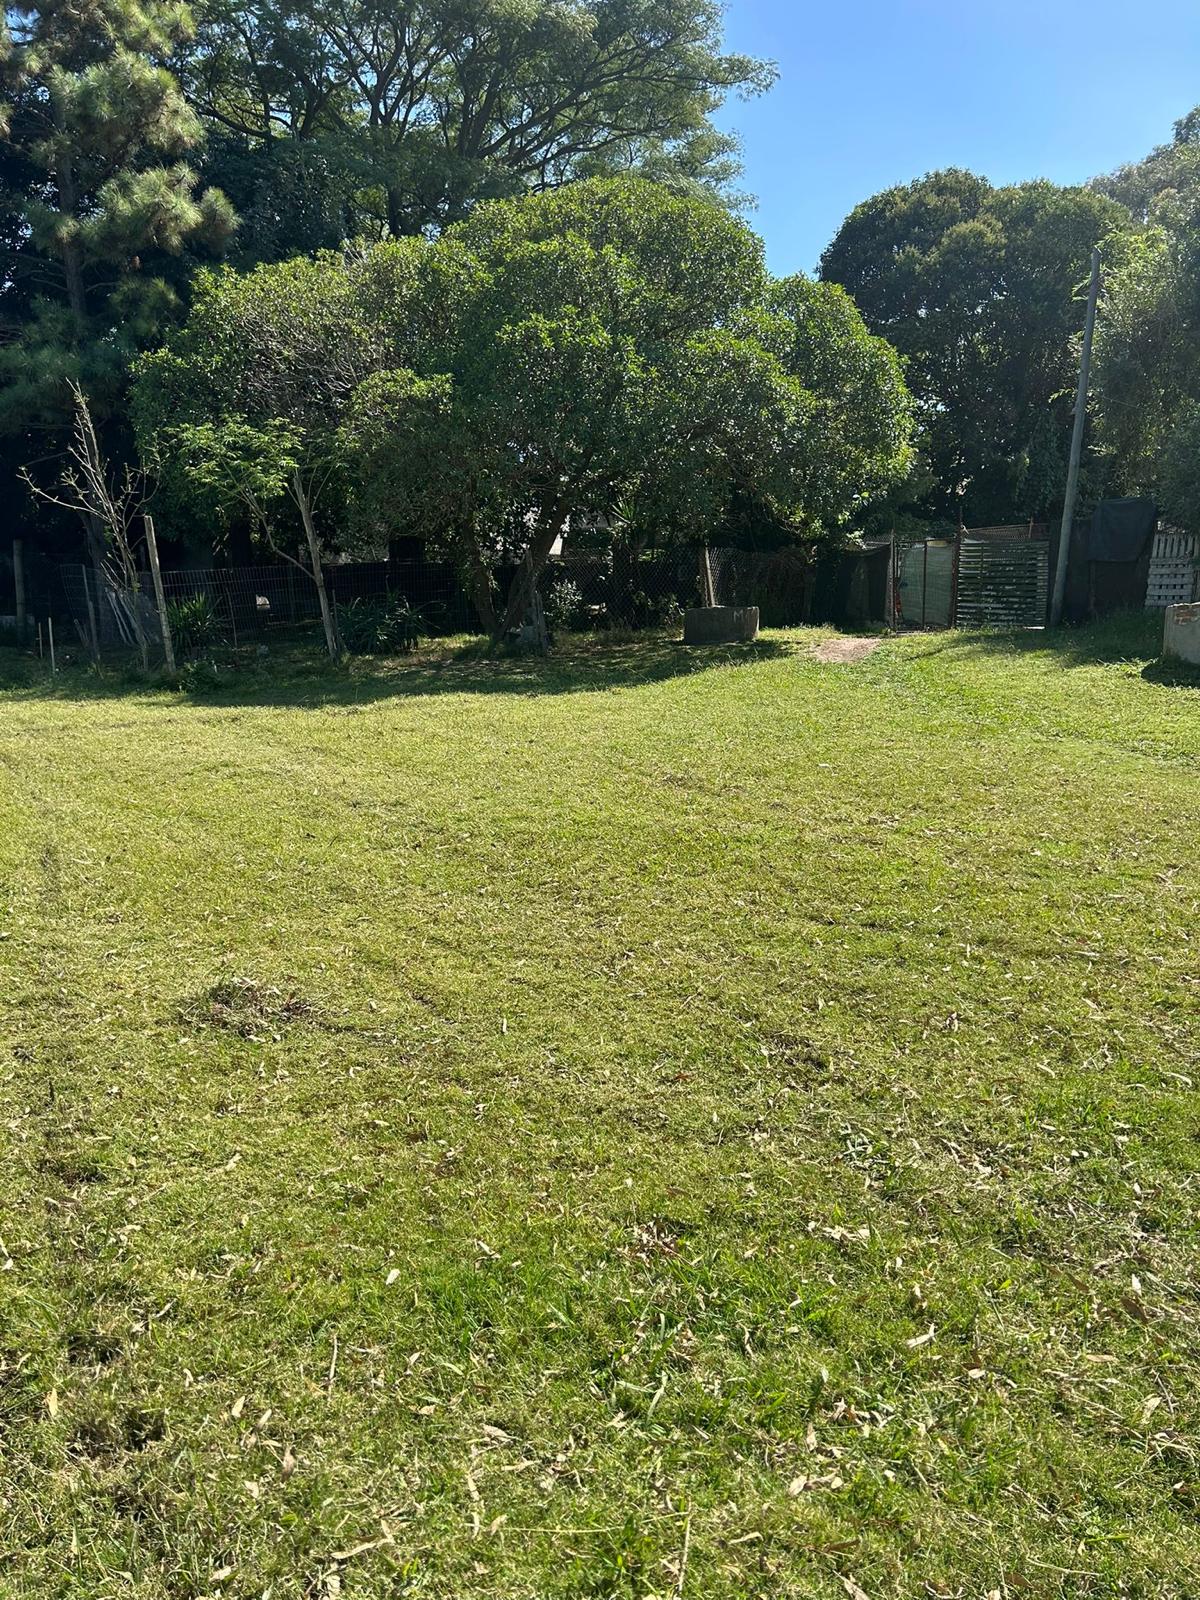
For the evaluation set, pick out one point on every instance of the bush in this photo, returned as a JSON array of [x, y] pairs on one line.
[[194, 623], [563, 606], [378, 627], [201, 678]]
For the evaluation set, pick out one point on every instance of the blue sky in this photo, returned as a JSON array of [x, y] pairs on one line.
[[876, 92]]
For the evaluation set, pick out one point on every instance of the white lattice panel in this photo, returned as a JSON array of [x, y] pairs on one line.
[[1174, 570]]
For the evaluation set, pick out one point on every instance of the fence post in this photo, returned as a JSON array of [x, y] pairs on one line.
[[19, 586], [954, 565], [159, 596], [231, 602], [93, 629], [53, 663], [707, 590]]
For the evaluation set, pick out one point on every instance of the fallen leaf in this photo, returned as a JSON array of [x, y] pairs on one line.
[[238, 1406], [922, 1338], [52, 1402], [391, 1277]]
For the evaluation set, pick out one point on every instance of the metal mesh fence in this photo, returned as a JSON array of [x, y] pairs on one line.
[[223, 607], [615, 588], [231, 607]]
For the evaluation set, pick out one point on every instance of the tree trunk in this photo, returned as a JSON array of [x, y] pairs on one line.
[[525, 579], [68, 201], [480, 580], [318, 572], [72, 265]]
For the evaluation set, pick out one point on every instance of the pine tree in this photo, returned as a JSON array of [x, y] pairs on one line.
[[97, 201]]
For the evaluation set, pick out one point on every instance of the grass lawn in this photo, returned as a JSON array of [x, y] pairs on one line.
[[641, 1124]]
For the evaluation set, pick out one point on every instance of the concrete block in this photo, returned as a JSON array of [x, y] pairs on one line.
[[720, 625], [1181, 635]]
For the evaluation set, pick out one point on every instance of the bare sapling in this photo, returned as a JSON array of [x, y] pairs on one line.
[[107, 499]]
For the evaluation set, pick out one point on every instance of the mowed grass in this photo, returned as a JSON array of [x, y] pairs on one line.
[[640, 1124]]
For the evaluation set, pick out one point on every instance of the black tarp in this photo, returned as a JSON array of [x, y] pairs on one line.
[[1121, 530], [1110, 559]]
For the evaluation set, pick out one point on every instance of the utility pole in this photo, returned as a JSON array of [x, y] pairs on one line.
[[1081, 399]]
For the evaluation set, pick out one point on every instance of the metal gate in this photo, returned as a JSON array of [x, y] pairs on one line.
[[1002, 583], [926, 584]]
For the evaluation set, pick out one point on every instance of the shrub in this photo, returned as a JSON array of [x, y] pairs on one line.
[[378, 627], [563, 606], [194, 623]]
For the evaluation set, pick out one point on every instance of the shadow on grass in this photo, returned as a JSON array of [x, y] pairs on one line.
[[1127, 637], [1172, 674], [295, 677]]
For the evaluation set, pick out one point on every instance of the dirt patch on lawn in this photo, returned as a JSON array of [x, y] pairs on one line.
[[843, 652]]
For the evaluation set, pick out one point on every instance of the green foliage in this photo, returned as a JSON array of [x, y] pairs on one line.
[[194, 624], [1169, 173], [408, 118], [378, 627], [94, 164], [1146, 389], [563, 606], [978, 289], [1178, 476], [610, 348], [244, 400]]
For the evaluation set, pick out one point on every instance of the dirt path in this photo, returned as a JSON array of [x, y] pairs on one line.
[[843, 652]]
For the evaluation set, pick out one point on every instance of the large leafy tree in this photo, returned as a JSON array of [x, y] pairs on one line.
[[239, 413], [423, 107], [616, 351], [610, 351], [1147, 375], [1171, 169], [1146, 393], [977, 287]]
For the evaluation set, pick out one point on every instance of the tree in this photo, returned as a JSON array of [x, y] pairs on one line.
[[89, 487], [978, 290], [97, 198], [1169, 170], [428, 106], [94, 162], [1147, 369], [860, 426], [610, 350], [613, 351], [242, 405]]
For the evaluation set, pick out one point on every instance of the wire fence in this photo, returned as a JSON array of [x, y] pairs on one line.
[[222, 608], [211, 608]]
